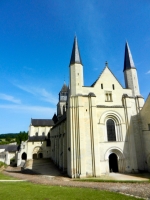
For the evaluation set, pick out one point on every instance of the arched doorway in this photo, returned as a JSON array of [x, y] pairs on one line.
[[113, 163], [24, 156], [34, 156], [40, 155]]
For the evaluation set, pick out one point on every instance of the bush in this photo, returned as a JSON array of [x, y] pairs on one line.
[[2, 164]]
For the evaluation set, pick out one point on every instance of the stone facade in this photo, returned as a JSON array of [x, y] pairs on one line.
[[98, 129], [104, 124]]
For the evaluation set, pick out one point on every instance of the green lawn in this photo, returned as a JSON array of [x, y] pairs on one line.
[[5, 177], [110, 181], [30, 191]]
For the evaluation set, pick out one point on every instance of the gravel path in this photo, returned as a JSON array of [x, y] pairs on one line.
[[135, 189]]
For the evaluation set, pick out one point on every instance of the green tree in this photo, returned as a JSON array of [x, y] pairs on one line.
[[22, 136]]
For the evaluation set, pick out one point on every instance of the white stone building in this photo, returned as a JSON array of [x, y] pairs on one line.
[[99, 128], [105, 128]]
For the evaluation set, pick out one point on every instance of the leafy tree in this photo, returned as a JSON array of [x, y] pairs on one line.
[[8, 139], [22, 136]]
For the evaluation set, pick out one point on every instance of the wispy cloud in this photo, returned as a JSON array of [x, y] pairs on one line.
[[95, 69], [9, 98], [41, 93], [29, 109], [148, 72]]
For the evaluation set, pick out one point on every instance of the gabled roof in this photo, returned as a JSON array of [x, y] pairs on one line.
[[10, 148], [128, 60], [75, 56], [102, 73], [42, 122]]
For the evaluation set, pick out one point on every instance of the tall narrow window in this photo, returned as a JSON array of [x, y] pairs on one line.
[[101, 86], [113, 86], [111, 134]]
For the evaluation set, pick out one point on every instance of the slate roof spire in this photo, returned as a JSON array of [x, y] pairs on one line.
[[128, 60], [75, 56], [64, 88]]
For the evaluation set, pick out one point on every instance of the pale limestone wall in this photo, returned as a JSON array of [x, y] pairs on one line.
[[76, 78], [28, 147], [37, 147], [87, 134], [58, 137], [145, 116], [131, 81], [39, 129]]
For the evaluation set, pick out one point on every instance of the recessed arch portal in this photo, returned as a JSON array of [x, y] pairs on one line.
[[24, 156], [113, 163], [118, 159]]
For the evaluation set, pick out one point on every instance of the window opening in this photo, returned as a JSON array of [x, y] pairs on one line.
[[101, 86], [113, 86], [108, 96], [111, 134]]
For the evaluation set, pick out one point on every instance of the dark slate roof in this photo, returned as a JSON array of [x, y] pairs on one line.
[[10, 148], [42, 122], [75, 56], [61, 119], [36, 138], [128, 61], [64, 88]]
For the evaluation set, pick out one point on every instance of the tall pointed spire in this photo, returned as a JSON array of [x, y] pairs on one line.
[[75, 56], [128, 60]]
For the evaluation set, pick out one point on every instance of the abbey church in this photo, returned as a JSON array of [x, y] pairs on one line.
[[98, 129]]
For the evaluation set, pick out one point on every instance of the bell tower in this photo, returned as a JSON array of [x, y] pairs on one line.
[[130, 72], [61, 106], [76, 70]]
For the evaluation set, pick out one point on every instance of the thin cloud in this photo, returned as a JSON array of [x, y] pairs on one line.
[[9, 98], [42, 93], [148, 72], [28, 109]]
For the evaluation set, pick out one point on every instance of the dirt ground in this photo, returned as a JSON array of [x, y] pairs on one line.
[[135, 189]]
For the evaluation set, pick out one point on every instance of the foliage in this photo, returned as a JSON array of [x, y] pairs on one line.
[[11, 135], [2, 164], [4, 142], [25, 190], [22, 136]]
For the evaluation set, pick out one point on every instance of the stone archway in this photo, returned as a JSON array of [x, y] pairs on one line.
[[116, 160], [37, 153], [34, 156], [24, 156], [113, 162], [40, 155]]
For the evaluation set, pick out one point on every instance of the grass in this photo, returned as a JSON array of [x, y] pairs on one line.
[[110, 181], [5, 177], [29, 191]]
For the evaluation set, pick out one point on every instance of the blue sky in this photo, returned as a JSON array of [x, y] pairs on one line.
[[36, 39]]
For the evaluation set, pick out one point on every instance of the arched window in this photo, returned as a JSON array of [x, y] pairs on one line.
[[111, 134]]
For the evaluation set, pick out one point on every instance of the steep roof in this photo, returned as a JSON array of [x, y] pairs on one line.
[[42, 122], [64, 88], [128, 60], [75, 56]]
